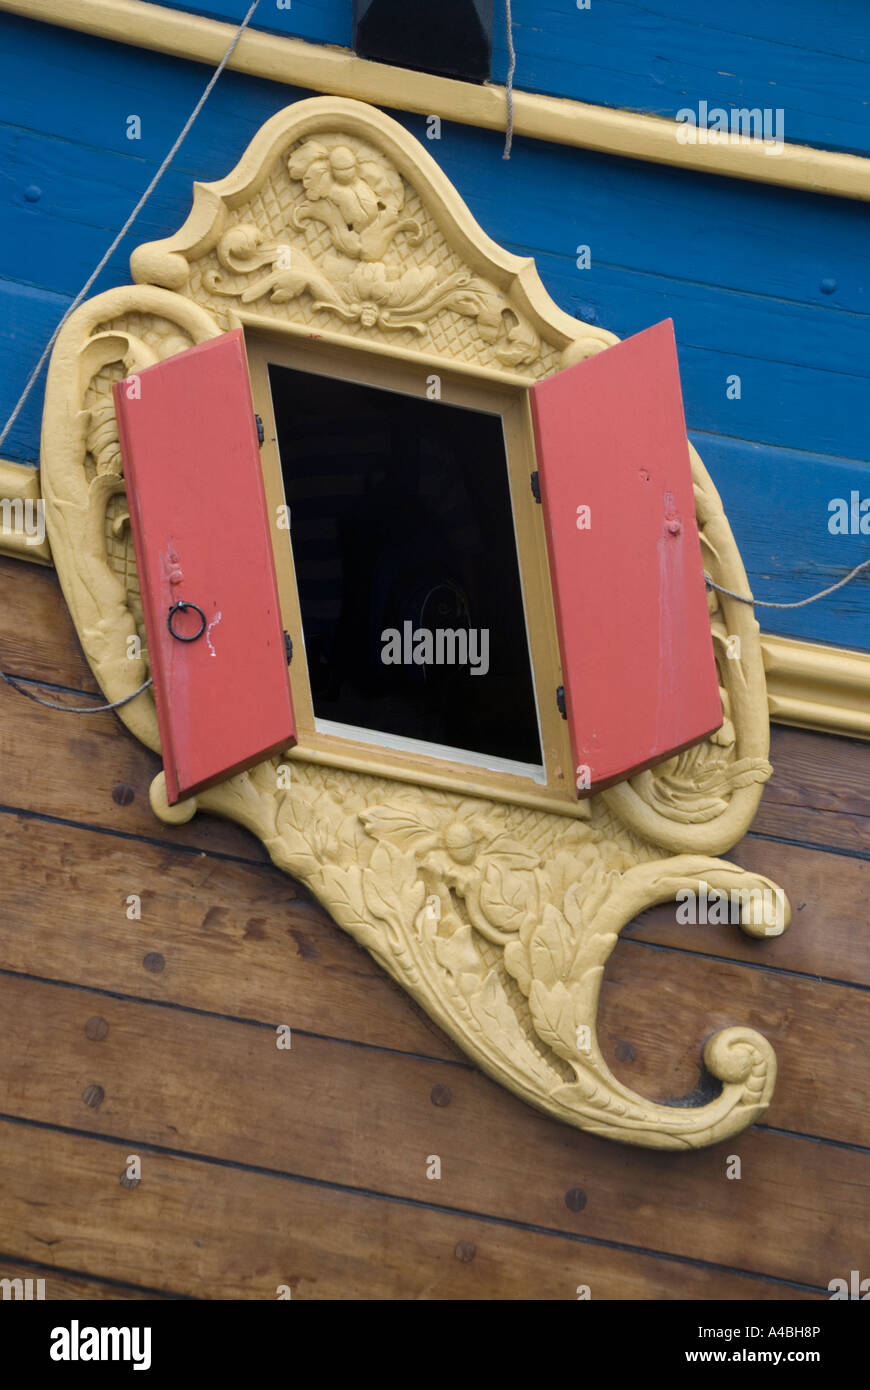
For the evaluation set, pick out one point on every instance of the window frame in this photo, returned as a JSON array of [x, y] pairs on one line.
[[471, 390]]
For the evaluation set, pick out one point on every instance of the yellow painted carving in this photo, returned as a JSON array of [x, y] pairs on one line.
[[498, 918]]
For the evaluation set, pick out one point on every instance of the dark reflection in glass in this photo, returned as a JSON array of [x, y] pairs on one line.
[[406, 563]]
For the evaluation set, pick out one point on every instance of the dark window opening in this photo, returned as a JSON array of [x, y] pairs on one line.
[[406, 563], [453, 38]]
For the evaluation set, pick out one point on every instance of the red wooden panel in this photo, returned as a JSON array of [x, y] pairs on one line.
[[198, 513], [637, 655]]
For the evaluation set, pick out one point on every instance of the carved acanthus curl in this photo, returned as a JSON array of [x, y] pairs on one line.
[[430, 884], [367, 292]]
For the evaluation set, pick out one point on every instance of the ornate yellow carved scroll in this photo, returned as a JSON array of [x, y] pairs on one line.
[[497, 918]]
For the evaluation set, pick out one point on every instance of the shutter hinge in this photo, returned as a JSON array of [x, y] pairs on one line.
[[560, 701], [261, 433], [536, 486], [288, 647]]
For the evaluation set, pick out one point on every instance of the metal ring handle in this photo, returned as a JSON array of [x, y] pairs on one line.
[[181, 607]]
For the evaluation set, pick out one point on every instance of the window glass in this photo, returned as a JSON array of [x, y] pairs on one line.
[[406, 565]]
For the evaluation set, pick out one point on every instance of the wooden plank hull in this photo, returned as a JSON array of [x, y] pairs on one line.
[[368, 1088]]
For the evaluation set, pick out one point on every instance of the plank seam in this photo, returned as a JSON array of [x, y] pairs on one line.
[[788, 449], [373, 1195], [540, 253], [65, 1271], [241, 1020], [245, 1021], [136, 838], [456, 1063], [743, 964], [90, 827], [816, 1139], [812, 844]]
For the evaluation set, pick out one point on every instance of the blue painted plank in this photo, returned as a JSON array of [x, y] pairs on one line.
[[60, 195], [28, 318], [84, 89], [785, 397], [810, 59], [319, 21], [61, 204], [777, 502], [643, 216]]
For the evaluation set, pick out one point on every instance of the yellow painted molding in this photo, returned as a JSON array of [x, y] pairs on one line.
[[338, 72], [817, 687], [21, 513]]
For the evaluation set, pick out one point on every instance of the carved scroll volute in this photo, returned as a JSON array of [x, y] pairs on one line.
[[498, 919]]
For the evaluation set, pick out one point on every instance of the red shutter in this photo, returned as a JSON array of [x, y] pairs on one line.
[[198, 513], [637, 655]]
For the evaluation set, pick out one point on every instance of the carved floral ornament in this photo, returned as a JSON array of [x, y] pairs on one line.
[[498, 919]]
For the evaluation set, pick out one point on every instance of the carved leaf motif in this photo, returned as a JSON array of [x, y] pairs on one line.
[[696, 787], [404, 827], [516, 963], [386, 182], [551, 948], [310, 163], [523, 345], [342, 888], [585, 898], [553, 1016], [405, 291], [506, 897], [296, 826], [584, 991], [587, 1092], [458, 954], [741, 773], [351, 836], [391, 887], [545, 959], [511, 853], [492, 1010]]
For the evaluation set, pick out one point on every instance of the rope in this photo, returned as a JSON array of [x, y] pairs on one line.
[[801, 603], [509, 85], [67, 709], [32, 379]]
